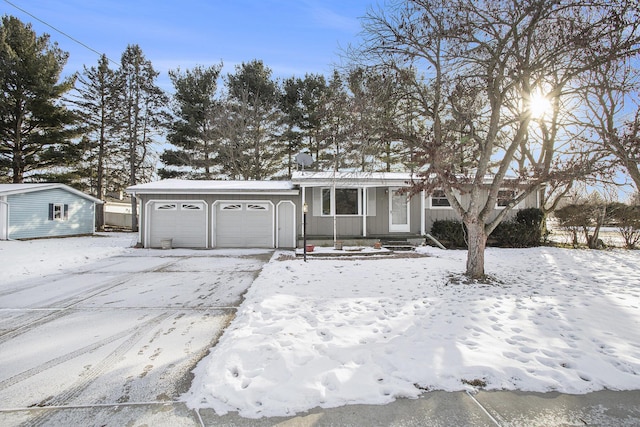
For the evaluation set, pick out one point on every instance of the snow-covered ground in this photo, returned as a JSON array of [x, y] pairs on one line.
[[41, 257], [332, 332]]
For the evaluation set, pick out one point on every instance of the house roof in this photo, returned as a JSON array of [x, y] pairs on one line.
[[346, 179], [11, 189], [182, 186]]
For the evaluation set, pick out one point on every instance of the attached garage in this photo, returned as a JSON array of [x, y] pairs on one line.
[[217, 214], [183, 222], [244, 224]]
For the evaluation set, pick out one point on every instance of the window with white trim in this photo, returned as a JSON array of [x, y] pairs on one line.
[[346, 201], [504, 197], [58, 212], [191, 206], [258, 207], [438, 199], [231, 207], [167, 207]]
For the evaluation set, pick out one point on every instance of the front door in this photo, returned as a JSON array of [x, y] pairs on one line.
[[398, 211]]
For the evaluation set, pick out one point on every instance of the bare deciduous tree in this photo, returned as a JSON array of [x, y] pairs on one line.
[[479, 65]]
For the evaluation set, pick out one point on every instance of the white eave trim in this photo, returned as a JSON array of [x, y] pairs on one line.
[[30, 188], [175, 191]]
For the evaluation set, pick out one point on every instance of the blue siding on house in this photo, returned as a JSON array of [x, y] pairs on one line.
[[29, 214]]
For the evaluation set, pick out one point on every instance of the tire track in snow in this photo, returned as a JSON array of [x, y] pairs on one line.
[[66, 357], [71, 301], [57, 311], [96, 371]]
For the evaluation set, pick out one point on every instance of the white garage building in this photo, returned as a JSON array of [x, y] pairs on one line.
[[217, 214]]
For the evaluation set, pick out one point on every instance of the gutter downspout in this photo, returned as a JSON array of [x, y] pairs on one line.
[[365, 207], [423, 214], [302, 219]]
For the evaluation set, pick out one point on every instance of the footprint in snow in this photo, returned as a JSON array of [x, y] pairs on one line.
[[325, 334]]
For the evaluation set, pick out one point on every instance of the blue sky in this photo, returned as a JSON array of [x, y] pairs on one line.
[[292, 37]]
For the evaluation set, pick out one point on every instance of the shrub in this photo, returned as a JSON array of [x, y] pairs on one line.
[[450, 233], [627, 220], [523, 231]]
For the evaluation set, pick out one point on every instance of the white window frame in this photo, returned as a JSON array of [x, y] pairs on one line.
[[253, 206], [189, 206], [332, 201], [513, 195], [58, 211], [431, 197], [226, 206], [172, 206]]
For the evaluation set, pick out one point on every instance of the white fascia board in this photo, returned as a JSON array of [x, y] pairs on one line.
[[135, 192], [6, 190]]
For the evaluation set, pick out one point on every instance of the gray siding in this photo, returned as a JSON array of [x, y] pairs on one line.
[[322, 226], [209, 199], [29, 214], [438, 214], [351, 225]]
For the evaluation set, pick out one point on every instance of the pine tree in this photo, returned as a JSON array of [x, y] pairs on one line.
[[36, 130], [251, 149], [97, 95], [193, 129], [141, 115]]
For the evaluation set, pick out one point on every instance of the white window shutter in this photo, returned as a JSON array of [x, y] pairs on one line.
[[371, 201], [317, 201]]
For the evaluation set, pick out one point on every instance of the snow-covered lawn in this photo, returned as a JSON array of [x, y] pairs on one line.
[[331, 332], [25, 259]]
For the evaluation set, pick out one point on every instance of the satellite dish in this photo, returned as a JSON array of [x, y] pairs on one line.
[[303, 159]]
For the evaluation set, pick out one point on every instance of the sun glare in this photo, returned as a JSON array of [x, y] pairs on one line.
[[539, 105]]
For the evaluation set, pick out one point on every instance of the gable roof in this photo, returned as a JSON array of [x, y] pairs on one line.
[[11, 189], [184, 186]]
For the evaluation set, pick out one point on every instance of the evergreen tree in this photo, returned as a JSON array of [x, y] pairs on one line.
[[251, 148], [291, 106], [97, 95], [36, 130], [332, 151], [193, 130], [141, 116]]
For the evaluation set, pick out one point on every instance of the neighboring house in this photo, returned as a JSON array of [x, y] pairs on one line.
[[45, 210], [117, 213], [210, 214]]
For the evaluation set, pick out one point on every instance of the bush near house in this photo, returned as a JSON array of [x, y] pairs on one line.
[[521, 232], [524, 231], [450, 233]]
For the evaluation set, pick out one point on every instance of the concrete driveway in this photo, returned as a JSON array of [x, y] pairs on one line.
[[80, 348]]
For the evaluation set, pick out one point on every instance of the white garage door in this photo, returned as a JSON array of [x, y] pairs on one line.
[[185, 222], [244, 224]]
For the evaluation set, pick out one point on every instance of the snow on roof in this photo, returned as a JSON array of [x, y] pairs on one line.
[[18, 188], [354, 178], [9, 189], [312, 178], [210, 186]]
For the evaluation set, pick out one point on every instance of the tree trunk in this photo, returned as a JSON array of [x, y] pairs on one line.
[[544, 230], [477, 242], [99, 216]]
